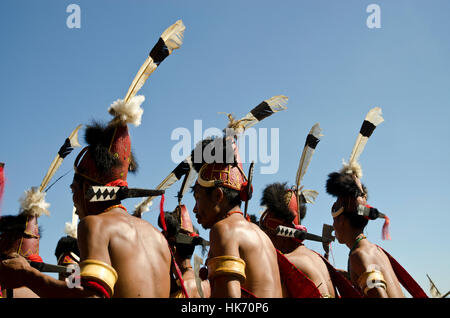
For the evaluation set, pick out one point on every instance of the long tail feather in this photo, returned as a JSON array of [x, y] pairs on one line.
[[372, 120], [257, 114], [171, 39], [56, 163], [260, 112], [310, 146]]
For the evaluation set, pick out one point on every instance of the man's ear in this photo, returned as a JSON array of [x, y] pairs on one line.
[[217, 195]]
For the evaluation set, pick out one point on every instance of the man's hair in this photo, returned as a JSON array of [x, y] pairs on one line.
[[232, 196], [356, 221]]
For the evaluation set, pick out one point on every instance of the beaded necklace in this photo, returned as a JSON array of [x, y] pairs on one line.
[[115, 206]]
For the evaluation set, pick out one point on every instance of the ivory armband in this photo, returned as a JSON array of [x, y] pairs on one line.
[[370, 280], [100, 272], [226, 265]]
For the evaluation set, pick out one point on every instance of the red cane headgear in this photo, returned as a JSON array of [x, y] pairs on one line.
[[108, 157]]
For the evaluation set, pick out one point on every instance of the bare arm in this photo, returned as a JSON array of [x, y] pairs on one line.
[[221, 245], [360, 264], [16, 272]]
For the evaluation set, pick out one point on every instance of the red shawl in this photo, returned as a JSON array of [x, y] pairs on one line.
[[342, 284], [296, 282], [405, 279]]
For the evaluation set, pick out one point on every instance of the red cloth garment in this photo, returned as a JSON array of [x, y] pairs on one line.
[[297, 283], [342, 284], [179, 275], [117, 183], [35, 258], [247, 294], [89, 284], [405, 278]]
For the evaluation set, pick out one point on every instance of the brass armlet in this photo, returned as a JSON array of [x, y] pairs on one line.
[[370, 280], [100, 272], [226, 265]]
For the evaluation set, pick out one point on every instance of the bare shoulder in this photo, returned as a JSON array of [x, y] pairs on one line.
[[224, 237], [90, 224]]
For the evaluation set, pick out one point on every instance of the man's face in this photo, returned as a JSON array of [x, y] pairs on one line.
[[78, 196], [338, 227], [348, 204], [204, 207]]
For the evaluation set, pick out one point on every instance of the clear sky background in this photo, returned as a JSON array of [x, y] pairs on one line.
[[235, 54]]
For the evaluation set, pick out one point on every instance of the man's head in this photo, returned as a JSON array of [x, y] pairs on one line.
[[350, 193], [281, 208], [180, 232], [67, 253], [221, 184], [105, 161], [19, 234]]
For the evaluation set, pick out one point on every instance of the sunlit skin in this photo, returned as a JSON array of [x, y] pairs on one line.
[[233, 235], [304, 259], [132, 246], [366, 255], [188, 275]]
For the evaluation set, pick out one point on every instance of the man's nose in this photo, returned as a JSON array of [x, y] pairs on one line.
[[195, 210]]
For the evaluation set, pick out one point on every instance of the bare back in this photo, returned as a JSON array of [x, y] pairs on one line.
[[368, 256], [236, 236], [136, 249], [314, 268]]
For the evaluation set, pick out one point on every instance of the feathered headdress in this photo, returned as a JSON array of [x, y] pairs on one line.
[[67, 251], [234, 128], [108, 157], [372, 120], [346, 183], [280, 200]]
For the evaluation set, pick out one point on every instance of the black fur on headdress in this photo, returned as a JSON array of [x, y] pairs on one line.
[[67, 244], [10, 224], [15, 224], [209, 146], [343, 185], [253, 219], [274, 199], [173, 229], [98, 136]]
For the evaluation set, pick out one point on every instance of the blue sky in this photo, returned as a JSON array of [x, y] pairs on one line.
[[235, 54]]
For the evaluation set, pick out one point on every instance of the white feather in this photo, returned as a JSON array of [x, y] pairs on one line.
[[353, 168], [33, 203], [128, 112], [277, 103], [173, 36], [307, 154], [143, 207], [71, 228], [374, 116], [310, 195]]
